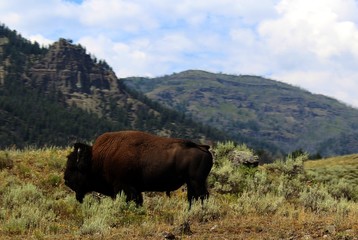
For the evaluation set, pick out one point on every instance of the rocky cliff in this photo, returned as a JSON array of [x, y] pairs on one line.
[[67, 68], [51, 96]]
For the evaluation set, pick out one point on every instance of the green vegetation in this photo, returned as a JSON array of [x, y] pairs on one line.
[[288, 199], [57, 95], [340, 174], [250, 108], [291, 198], [40, 121]]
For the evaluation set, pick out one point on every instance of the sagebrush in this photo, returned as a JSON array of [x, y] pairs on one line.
[[35, 202]]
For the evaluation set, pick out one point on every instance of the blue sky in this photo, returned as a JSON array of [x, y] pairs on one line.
[[312, 44]]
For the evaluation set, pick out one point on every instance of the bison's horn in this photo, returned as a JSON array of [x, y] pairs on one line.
[[78, 154]]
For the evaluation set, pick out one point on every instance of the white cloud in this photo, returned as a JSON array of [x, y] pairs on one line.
[[314, 45], [50, 18], [311, 44], [115, 14], [313, 27], [41, 40], [126, 59]]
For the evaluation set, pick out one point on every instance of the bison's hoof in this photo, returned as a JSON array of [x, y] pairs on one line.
[[168, 235]]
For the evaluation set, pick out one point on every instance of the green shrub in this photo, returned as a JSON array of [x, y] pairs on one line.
[[289, 188], [343, 189], [344, 207], [317, 199], [230, 179], [24, 170], [159, 202], [260, 183], [100, 215], [227, 176], [68, 208], [222, 150], [28, 218], [20, 195], [26, 209], [254, 202], [53, 180], [5, 160], [292, 167], [211, 210], [288, 177], [97, 224]]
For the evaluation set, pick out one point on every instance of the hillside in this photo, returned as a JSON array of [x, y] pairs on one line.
[[273, 112], [339, 170], [61, 94]]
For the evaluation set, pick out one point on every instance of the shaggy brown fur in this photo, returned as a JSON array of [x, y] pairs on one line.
[[136, 162]]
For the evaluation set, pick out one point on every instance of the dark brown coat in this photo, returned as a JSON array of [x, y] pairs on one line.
[[136, 162]]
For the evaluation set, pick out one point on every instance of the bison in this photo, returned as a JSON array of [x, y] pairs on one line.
[[136, 162]]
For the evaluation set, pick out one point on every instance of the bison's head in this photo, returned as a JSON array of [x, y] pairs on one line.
[[78, 169]]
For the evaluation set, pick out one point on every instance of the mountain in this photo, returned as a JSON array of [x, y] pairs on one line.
[[273, 112], [60, 94]]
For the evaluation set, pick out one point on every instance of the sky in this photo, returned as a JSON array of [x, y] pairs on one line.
[[312, 44]]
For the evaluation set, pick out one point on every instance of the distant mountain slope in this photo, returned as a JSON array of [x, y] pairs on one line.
[[259, 108], [59, 94], [56, 95]]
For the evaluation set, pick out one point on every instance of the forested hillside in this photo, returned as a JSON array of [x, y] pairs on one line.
[[274, 112], [61, 94]]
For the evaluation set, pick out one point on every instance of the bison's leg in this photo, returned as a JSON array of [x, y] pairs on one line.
[[133, 195], [190, 193], [204, 196], [167, 193], [196, 190], [139, 199], [190, 196], [80, 196]]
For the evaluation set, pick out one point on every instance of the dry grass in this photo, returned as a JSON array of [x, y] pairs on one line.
[[339, 160], [35, 204], [339, 173]]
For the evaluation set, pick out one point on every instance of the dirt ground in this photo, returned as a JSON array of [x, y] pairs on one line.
[[304, 227]]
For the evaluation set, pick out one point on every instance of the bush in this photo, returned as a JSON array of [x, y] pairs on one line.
[[343, 189], [283, 177], [257, 203], [53, 180], [288, 176], [226, 175], [292, 166], [211, 210], [100, 216], [34, 202], [20, 195], [5, 161], [28, 218], [317, 199], [67, 207], [222, 150], [26, 209]]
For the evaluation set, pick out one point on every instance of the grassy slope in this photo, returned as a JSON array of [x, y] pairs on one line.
[[268, 110], [35, 203], [335, 169]]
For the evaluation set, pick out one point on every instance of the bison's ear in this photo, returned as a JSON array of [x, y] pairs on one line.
[[84, 156]]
